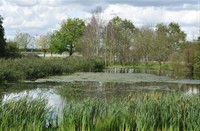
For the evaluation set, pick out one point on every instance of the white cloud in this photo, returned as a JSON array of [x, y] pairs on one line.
[[23, 2], [153, 15], [41, 16]]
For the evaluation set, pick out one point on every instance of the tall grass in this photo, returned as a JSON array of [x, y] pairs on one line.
[[24, 114], [33, 68], [139, 112]]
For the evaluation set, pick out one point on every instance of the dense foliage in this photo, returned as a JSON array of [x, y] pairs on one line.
[[139, 112], [2, 39], [66, 38], [33, 68]]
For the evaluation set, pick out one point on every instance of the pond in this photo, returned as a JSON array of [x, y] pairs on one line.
[[111, 83]]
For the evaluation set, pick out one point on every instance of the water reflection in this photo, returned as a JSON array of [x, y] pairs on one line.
[[58, 93], [54, 100], [177, 75], [190, 89]]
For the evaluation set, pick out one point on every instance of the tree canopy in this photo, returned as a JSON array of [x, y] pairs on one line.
[[2, 39], [66, 38]]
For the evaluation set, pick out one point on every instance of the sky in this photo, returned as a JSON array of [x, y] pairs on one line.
[[39, 17]]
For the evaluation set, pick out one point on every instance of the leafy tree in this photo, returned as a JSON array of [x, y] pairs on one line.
[[2, 39], [56, 45], [23, 40], [69, 34], [160, 47], [144, 40], [11, 49], [168, 39], [190, 54], [176, 36], [120, 32]]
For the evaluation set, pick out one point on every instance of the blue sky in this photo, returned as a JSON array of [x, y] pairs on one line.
[[37, 17]]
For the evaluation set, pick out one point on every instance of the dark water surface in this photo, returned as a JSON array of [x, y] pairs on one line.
[[57, 92]]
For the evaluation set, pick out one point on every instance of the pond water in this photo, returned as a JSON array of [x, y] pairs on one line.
[[59, 89]]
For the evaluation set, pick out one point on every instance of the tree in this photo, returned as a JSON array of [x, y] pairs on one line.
[[119, 35], [144, 40], [56, 45], [110, 47], [11, 49], [43, 43], [87, 45], [69, 34], [160, 47], [190, 55], [2, 39], [176, 36], [91, 41], [23, 40]]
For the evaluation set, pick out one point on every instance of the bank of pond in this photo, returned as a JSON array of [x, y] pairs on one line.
[[117, 99], [152, 111], [20, 69], [32, 68]]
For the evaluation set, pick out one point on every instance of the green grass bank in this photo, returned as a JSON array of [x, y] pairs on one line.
[[32, 68]]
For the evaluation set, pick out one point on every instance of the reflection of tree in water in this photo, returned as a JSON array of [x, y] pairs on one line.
[[83, 90], [6, 89], [80, 90], [189, 88]]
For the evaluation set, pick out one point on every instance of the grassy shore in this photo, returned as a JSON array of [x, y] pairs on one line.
[[152, 65], [139, 112], [32, 68]]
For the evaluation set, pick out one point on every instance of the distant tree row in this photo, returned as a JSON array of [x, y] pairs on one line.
[[117, 41]]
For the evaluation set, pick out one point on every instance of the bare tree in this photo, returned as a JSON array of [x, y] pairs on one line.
[[23, 40], [91, 41], [144, 40], [43, 43]]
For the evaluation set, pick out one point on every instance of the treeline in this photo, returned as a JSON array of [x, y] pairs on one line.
[[117, 41]]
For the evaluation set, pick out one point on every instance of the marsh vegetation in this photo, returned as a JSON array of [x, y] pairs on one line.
[[154, 111], [143, 86]]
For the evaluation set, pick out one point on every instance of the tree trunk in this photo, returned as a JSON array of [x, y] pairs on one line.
[[160, 64], [70, 50]]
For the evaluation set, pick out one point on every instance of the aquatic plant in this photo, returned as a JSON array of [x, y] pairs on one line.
[[154, 111]]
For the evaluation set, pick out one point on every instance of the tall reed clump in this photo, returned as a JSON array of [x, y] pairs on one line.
[[152, 112], [24, 114], [149, 112], [33, 68], [86, 64]]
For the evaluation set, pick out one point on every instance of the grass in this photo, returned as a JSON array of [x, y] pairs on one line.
[[152, 112], [24, 114], [32, 68]]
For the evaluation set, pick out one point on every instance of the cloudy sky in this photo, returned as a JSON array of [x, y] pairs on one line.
[[37, 17]]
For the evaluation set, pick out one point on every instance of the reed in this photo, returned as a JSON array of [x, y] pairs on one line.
[[32, 68], [24, 114], [154, 111], [147, 112]]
